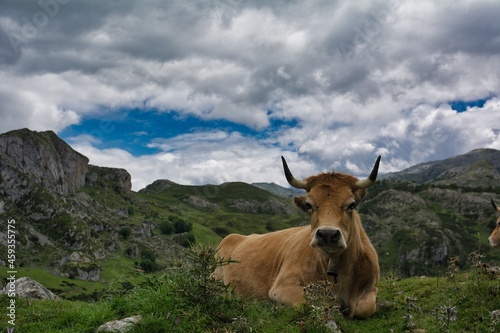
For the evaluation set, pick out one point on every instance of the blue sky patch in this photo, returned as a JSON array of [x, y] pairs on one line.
[[133, 130], [461, 106]]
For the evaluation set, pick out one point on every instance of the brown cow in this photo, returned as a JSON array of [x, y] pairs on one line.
[[279, 264], [494, 238]]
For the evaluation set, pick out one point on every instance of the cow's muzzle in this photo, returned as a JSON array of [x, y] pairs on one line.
[[328, 238]]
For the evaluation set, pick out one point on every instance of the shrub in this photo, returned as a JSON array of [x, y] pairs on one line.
[[196, 286], [148, 266], [189, 240], [148, 263], [166, 227], [180, 225], [148, 254], [125, 232]]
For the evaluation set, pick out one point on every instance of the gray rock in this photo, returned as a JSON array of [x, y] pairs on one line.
[[29, 158], [331, 325], [199, 203], [121, 325], [28, 288], [80, 266]]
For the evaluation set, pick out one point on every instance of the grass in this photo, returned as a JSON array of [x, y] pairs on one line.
[[188, 300], [205, 235]]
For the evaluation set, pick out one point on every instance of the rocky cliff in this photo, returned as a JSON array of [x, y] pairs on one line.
[[44, 186], [29, 160]]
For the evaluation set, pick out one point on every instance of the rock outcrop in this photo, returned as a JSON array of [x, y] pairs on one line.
[[120, 326], [26, 287], [50, 189], [29, 159]]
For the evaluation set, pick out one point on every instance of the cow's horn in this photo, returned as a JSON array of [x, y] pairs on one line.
[[495, 206], [365, 183], [290, 178]]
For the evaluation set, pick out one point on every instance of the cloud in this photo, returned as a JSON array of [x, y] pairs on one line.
[[356, 79], [212, 157]]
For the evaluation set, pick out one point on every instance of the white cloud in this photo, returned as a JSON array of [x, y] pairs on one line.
[[358, 78], [201, 158]]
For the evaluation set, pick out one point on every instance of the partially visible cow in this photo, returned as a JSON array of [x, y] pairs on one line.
[[278, 265], [494, 238]]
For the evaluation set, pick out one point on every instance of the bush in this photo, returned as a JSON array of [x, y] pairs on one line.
[[148, 263], [148, 254], [197, 287], [189, 240], [166, 227], [148, 266], [125, 232], [180, 225]]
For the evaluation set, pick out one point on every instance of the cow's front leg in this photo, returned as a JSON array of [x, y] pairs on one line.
[[364, 307], [291, 293]]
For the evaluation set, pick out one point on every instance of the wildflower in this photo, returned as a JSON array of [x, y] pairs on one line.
[[450, 312], [447, 315], [495, 316], [409, 321], [495, 319], [411, 302], [474, 259]]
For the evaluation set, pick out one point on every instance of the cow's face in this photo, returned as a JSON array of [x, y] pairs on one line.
[[494, 238], [331, 202]]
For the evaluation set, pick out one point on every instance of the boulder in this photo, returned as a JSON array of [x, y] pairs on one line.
[[30, 289], [121, 325]]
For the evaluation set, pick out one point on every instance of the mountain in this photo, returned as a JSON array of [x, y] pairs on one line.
[[83, 222], [60, 203], [420, 217], [478, 168], [279, 190]]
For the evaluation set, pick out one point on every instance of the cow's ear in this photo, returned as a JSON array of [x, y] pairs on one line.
[[302, 203]]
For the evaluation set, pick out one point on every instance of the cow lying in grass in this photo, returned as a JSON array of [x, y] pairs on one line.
[[278, 265]]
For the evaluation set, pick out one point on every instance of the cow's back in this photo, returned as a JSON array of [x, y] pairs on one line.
[[262, 258]]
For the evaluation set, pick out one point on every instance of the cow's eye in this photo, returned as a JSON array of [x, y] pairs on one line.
[[308, 207], [352, 206]]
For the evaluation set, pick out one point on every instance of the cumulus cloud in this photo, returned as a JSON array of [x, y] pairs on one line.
[[356, 79], [211, 157]]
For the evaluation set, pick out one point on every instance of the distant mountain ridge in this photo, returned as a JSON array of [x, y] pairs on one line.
[[484, 160], [279, 190]]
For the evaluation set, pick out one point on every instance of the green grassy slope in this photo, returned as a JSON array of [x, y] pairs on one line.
[[459, 301]]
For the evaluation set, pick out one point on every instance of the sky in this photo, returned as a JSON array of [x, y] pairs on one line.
[[213, 91]]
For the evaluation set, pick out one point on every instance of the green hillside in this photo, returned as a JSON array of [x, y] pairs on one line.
[[223, 209], [187, 300]]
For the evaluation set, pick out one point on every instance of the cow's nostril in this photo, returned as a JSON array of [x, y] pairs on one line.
[[328, 236]]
